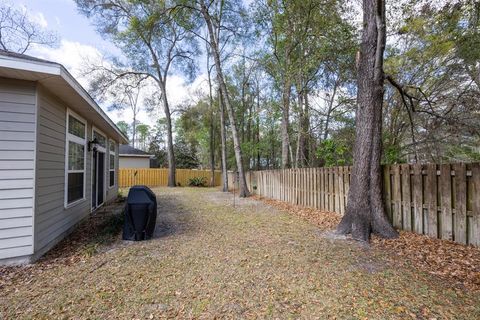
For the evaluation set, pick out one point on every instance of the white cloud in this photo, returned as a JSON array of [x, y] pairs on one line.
[[74, 56], [36, 17], [39, 18]]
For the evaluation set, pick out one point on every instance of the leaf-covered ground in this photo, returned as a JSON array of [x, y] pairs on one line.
[[211, 260], [455, 263]]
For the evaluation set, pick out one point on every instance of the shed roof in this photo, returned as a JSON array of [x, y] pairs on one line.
[[55, 77], [127, 150]]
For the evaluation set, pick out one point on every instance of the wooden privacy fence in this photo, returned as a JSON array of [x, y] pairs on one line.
[[159, 177], [442, 201]]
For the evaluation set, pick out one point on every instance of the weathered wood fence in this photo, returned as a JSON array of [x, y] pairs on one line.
[[159, 177], [442, 201]]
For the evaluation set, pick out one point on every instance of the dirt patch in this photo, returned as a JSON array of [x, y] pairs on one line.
[[210, 260]]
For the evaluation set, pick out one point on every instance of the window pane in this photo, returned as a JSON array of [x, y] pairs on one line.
[[101, 140], [112, 161], [76, 127], [76, 156], [112, 178], [75, 186], [112, 146]]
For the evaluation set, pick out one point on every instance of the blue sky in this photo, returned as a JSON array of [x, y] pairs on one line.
[[79, 42], [63, 17]]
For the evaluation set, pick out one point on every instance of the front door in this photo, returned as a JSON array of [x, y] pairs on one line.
[[98, 178]]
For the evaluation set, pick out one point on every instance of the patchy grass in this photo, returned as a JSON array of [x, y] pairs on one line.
[[210, 260], [457, 264]]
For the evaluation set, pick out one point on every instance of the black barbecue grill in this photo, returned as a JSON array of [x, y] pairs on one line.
[[140, 214]]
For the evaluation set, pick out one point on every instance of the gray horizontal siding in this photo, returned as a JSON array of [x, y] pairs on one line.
[[17, 165], [52, 219]]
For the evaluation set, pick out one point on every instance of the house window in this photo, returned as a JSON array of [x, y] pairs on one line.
[[101, 140], [111, 166], [75, 159]]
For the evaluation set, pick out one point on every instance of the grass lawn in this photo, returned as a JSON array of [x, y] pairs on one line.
[[210, 260]]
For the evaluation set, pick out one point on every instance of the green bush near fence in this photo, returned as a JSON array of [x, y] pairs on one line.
[[197, 182]]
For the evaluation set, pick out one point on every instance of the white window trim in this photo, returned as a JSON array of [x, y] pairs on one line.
[[73, 138], [114, 164], [99, 147]]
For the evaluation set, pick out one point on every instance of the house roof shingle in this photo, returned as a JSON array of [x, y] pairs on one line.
[[126, 149]]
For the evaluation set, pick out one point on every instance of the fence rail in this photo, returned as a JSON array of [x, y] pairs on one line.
[[442, 201], [159, 177]]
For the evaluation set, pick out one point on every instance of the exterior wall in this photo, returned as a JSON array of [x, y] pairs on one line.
[[134, 162], [52, 220], [17, 168]]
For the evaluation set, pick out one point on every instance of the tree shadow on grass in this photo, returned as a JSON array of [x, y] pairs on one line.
[[172, 217]]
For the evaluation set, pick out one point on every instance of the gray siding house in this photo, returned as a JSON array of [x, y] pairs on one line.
[[58, 156]]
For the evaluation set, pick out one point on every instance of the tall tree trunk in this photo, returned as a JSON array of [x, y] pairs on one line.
[[365, 213], [299, 151], [212, 130], [212, 148], [306, 126], [330, 110], [223, 142], [257, 135], [170, 153], [134, 129], [284, 125], [303, 127], [223, 88], [249, 134]]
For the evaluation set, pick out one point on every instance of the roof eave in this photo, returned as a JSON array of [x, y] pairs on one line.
[[47, 70], [136, 155]]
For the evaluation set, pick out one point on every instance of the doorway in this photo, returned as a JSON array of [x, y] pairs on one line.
[[98, 179]]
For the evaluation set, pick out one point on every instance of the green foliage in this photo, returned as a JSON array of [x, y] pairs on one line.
[[124, 127], [458, 153], [334, 153], [197, 182], [392, 155]]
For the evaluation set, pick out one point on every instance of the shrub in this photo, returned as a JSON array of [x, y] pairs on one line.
[[197, 182]]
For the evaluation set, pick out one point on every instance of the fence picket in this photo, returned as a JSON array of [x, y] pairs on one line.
[[397, 198], [417, 199], [460, 226], [446, 217], [431, 192], [475, 230], [387, 190], [406, 198]]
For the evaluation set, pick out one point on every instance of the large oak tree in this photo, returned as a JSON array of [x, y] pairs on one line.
[[365, 213]]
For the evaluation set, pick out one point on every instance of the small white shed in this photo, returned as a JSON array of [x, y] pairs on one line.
[[58, 156], [134, 158]]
